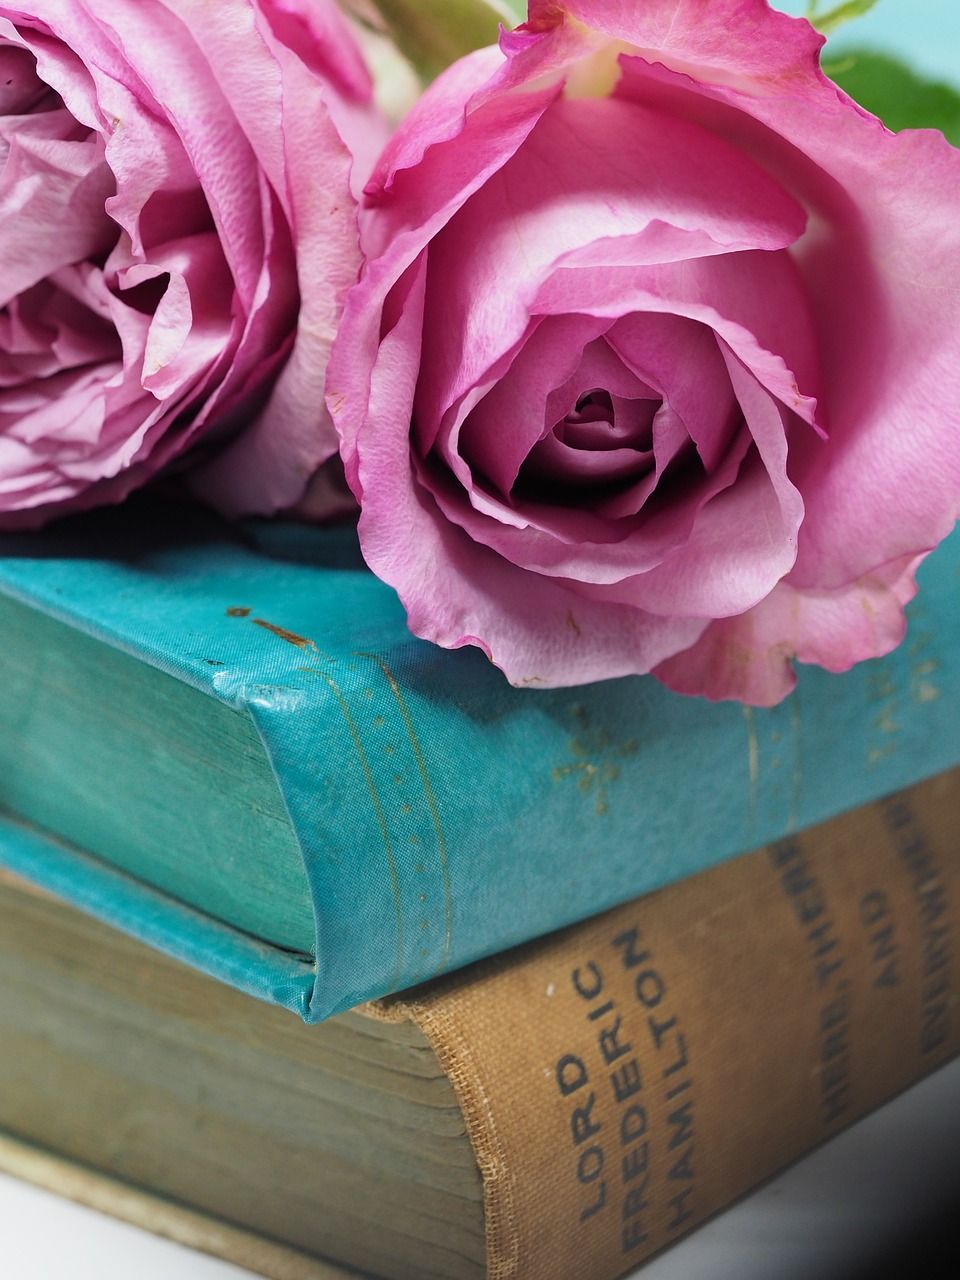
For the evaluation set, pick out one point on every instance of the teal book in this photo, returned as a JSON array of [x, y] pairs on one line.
[[224, 741]]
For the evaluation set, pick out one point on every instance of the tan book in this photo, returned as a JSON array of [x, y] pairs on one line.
[[562, 1111]]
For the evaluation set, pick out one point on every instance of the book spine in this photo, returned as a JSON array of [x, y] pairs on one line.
[[632, 1076]]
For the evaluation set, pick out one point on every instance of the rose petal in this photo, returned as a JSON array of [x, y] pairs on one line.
[[745, 538], [572, 183], [881, 271], [20, 86], [681, 359], [754, 301], [499, 431], [750, 658], [52, 194], [743, 43], [577, 543], [190, 327], [670, 437], [487, 137], [555, 463]]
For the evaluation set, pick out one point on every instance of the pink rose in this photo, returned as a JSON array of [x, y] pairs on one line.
[[655, 362], [177, 232]]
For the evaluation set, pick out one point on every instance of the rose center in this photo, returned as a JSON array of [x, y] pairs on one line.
[[601, 421], [602, 444], [592, 406]]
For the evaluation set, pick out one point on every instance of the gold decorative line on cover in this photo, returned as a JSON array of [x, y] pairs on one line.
[[753, 764], [381, 816], [431, 802], [796, 780]]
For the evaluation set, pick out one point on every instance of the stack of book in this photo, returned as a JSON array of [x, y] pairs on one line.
[[322, 946]]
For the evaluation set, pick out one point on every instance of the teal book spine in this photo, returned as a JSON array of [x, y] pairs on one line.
[[442, 815]]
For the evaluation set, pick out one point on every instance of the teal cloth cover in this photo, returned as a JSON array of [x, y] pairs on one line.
[[443, 815]]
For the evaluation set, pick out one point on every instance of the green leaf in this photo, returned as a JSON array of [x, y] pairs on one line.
[[433, 33], [901, 98], [836, 17]]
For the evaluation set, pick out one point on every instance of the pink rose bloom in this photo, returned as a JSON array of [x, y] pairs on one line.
[[655, 363], [177, 232]]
